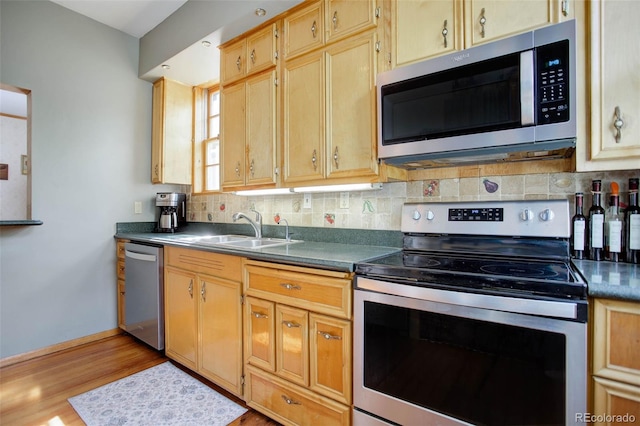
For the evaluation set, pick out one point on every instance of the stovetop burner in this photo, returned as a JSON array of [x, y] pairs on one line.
[[520, 270]]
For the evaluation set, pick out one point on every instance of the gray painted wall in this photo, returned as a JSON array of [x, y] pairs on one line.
[[91, 146]]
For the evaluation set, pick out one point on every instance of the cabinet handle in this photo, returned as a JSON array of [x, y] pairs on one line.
[[238, 63], [122, 293], [336, 157], [203, 291], [191, 288], [238, 169], [314, 29], [290, 324], [329, 336], [483, 21], [251, 168], [155, 170], [121, 269], [259, 315], [445, 31], [290, 401], [618, 124], [314, 160], [290, 286], [335, 20], [565, 7], [253, 56]]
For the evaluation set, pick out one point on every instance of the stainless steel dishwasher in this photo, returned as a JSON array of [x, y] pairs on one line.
[[144, 305]]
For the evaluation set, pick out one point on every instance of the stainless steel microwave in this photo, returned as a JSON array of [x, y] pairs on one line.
[[509, 100]]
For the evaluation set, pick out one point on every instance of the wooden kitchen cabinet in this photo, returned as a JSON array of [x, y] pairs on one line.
[[249, 55], [347, 17], [171, 131], [203, 314], [121, 285], [298, 343], [421, 29], [613, 88], [248, 132], [329, 113], [616, 364], [303, 30]]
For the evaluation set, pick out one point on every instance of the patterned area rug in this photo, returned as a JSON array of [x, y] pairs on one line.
[[161, 395]]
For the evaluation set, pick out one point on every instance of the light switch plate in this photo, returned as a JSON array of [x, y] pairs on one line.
[[306, 204], [137, 207]]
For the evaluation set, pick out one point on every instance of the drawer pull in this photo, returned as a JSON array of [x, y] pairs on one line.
[[259, 314], [328, 336], [291, 324], [290, 401], [290, 286]]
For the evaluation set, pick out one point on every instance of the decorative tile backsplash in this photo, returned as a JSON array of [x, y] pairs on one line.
[[380, 209]]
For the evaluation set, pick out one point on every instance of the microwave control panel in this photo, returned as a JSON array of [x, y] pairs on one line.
[[553, 84]]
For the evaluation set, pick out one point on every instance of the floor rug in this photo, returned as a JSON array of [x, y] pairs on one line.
[[161, 395]]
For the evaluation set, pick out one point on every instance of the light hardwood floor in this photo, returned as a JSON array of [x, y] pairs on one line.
[[35, 392]]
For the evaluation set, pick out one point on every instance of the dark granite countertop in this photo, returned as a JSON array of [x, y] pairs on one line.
[[611, 280], [321, 254]]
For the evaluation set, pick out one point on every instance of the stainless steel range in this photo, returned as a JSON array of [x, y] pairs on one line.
[[481, 319]]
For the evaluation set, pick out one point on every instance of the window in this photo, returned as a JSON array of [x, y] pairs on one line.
[[211, 145]]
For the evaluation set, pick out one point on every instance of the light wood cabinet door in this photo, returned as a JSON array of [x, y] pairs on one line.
[[262, 49], [260, 334], [171, 131], [615, 399], [423, 29], [121, 304], [292, 344], [351, 121], [346, 17], [233, 135], [304, 30], [488, 20], [233, 62], [261, 129], [220, 321], [181, 316], [330, 354], [614, 87], [304, 118]]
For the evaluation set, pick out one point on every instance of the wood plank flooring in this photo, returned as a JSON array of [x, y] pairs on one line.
[[35, 392]]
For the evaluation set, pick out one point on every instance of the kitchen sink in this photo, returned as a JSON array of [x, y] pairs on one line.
[[259, 242], [212, 239], [239, 241]]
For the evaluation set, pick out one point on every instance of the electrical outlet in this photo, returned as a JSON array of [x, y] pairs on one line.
[[137, 207], [307, 201], [344, 200]]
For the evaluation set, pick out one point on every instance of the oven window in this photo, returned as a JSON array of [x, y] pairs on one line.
[[476, 371], [475, 98]]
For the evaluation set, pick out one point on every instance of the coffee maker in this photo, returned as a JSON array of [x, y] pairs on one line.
[[173, 211]]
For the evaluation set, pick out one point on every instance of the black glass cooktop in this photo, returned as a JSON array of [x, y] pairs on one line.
[[528, 277]]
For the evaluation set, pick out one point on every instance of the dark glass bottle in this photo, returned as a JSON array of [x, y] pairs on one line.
[[632, 224], [596, 223], [614, 236], [578, 229]]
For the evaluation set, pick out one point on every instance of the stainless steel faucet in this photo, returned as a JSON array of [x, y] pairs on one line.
[[287, 235], [255, 224]]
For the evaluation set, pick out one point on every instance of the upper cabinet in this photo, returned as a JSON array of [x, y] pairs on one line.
[[347, 17], [613, 88], [422, 29], [249, 55], [171, 131]]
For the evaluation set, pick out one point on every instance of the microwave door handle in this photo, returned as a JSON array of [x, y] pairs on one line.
[[527, 89]]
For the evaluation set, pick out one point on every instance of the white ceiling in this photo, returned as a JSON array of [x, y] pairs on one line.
[[195, 65]]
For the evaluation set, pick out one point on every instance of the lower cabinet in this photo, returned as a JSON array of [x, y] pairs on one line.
[[298, 345], [203, 314], [121, 287], [616, 362]]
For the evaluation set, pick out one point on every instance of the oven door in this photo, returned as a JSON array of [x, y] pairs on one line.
[[429, 362]]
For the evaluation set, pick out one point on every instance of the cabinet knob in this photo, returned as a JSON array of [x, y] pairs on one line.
[[618, 123], [253, 56], [259, 315], [238, 169], [314, 160], [335, 20], [336, 157], [314, 28], [289, 400], [239, 63], [328, 335], [483, 20], [290, 324], [203, 291], [251, 168], [191, 288], [290, 286], [445, 31]]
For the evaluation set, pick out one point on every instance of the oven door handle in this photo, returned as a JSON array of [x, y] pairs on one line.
[[549, 308]]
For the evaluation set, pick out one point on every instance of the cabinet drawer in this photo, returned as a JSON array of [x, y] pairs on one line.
[[325, 292], [218, 265], [290, 404], [616, 336], [615, 399], [120, 248]]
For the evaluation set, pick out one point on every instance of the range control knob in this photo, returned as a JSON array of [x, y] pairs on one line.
[[416, 215], [546, 215], [526, 215], [430, 215]]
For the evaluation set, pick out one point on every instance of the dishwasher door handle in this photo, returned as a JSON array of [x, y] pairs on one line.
[[140, 256]]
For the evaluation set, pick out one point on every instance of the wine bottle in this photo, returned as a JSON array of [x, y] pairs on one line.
[[613, 226], [632, 224], [596, 222], [578, 227]]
